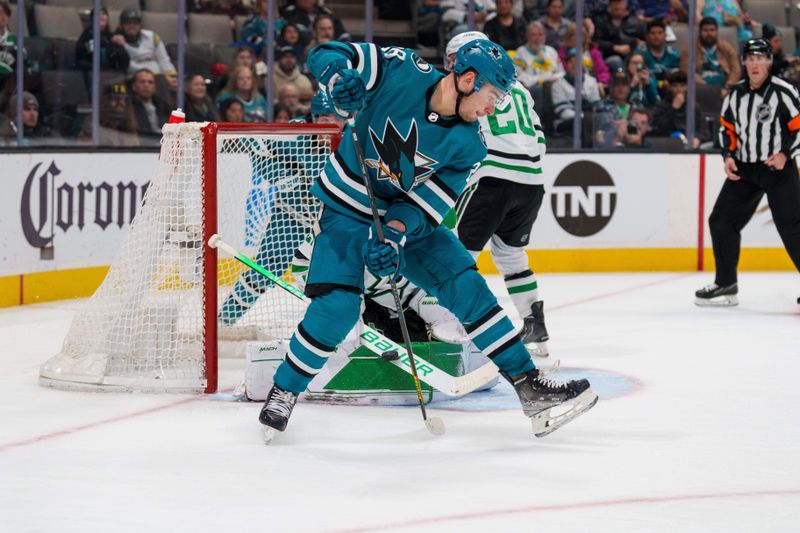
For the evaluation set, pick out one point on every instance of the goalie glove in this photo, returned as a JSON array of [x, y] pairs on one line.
[[384, 258], [347, 91]]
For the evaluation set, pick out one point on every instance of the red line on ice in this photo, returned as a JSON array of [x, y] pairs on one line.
[[570, 507], [619, 291], [92, 425]]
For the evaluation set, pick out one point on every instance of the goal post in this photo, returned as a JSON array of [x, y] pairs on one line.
[[170, 306]]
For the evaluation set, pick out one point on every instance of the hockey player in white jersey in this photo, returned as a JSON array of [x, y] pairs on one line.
[[504, 198]]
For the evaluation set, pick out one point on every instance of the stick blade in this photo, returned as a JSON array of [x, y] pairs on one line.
[[435, 425]]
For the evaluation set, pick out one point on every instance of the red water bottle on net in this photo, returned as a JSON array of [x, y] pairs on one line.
[[177, 117]]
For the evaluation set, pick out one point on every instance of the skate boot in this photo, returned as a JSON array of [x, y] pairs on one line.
[[534, 333], [551, 404], [715, 296], [276, 411]]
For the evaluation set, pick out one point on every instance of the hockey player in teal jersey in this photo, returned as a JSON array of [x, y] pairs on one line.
[[421, 144], [280, 211]]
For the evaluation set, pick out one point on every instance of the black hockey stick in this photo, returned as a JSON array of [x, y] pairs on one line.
[[435, 425]]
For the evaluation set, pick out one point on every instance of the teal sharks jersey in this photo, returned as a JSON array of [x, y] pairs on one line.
[[413, 156]]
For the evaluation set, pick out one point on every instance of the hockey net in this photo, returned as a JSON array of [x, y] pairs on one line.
[[169, 304]]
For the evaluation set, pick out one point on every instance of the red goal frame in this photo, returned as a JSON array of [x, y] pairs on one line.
[[209, 184]]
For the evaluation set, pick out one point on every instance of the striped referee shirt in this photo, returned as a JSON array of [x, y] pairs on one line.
[[758, 124]]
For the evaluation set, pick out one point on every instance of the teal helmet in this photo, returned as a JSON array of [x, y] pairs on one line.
[[490, 63], [321, 104]]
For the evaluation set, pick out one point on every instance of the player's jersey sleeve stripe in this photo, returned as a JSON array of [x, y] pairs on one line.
[[520, 157], [431, 213], [373, 66], [441, 194], [337, 195], [353, 180], [442, 187]]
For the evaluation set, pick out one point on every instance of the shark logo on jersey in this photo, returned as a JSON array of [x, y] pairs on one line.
[[398, 158]]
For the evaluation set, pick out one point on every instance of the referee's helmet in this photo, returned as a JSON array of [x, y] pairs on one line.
[[757, 47]]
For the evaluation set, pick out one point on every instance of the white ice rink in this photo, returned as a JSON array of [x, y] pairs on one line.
[[697, 429]]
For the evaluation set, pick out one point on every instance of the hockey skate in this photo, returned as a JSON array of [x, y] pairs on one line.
[[551, 404], [276, 411], [534, 333], [715, 296]]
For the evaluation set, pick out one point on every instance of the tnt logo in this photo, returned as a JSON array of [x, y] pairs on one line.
[[583, 198]]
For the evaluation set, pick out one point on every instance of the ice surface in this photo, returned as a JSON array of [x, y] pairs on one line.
[[697, 429]]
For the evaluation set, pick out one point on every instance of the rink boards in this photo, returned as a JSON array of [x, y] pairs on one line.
[[64, 216]]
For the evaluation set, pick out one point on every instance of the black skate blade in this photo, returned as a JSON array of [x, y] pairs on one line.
[[391, 355], [544, 424]]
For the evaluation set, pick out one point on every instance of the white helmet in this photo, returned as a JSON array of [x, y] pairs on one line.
[[454, 44]]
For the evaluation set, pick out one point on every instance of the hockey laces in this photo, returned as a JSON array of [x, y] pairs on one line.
[[711, 287], [550, 382], [281, 402]]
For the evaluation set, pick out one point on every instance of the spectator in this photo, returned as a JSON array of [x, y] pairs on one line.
[[643, 87], [113, 55], [781, 64], [145, 48], [231, 110], [242, 87], [303, 13], [290, 36], [636, 129], [455, 14], [664, 10], [669, 116], [151, 112], [117, 125], [598, 8], [592, 58], [33, 129], [8, 51], [717, 60], [617, 98], [429, 18], [322, 32], [505, 29], [555, 25], [563, 93], [287, 73], [245, 57], [660, 58], [618, 33], [281, 113], [611, 114], [231, 8], [289, 96], [198, 106], [254, 29], [726, 13], [536, 62]]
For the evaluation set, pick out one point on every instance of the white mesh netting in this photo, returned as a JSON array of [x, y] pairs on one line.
[[144, 327]]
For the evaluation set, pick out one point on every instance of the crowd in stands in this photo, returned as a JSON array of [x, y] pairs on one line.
[[634, 69], [634, 66]]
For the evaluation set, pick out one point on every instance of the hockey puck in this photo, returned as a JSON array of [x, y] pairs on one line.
[[391, 355]]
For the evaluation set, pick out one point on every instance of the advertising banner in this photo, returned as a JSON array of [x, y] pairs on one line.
[[62, 211]]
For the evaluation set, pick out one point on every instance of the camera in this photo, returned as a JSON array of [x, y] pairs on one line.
[[633, 127], [639, 67]]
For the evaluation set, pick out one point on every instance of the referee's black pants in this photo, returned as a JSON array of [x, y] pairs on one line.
[[738, 200]]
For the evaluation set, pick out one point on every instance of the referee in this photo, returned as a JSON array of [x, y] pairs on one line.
[[760, 137]]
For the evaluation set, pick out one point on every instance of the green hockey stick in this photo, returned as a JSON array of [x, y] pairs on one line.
[[378, 343]]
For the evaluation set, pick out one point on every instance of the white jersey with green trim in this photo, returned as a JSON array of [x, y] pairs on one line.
[[514, 138]]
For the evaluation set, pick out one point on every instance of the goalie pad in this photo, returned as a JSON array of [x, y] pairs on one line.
[[354, 375]]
